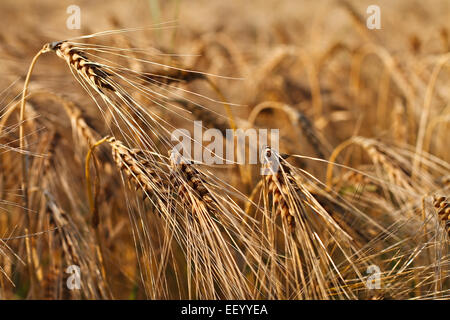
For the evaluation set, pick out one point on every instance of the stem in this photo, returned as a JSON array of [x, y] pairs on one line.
[[21, 133], [88, 177], [333, 157], [95, 219], [24, 165], [252, 196]]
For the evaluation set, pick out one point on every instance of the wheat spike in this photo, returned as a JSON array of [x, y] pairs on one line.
[[394, 171], [277, 187], [442, 205], [91, 71], [136, 167], [194, 182]]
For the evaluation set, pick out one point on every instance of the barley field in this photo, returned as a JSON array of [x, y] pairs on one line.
[[95, 202]]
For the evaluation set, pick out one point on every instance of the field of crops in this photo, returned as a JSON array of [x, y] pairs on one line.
[[182, 149]]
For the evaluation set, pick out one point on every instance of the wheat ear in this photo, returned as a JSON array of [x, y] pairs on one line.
[[91, 71], [442, 205], [136, 167], [277, 187], [194, 183]]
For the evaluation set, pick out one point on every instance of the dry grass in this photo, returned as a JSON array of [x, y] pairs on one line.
[[364, 164]]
